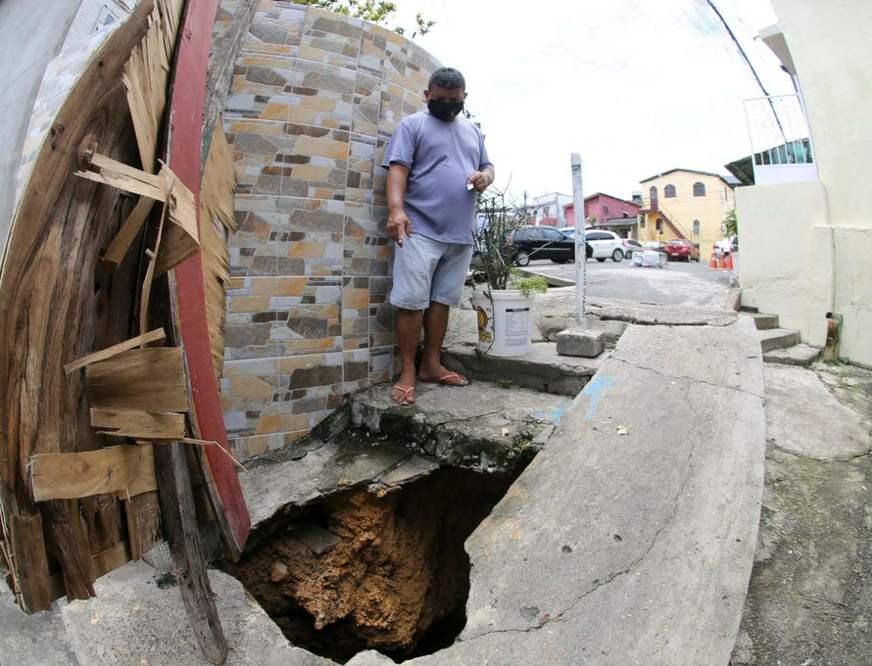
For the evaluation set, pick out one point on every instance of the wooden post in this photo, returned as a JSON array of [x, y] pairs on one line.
[[180, 527]]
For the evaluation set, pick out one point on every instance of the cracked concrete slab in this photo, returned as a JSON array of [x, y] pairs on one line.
[[480, 426], [314, 469], [799, 407], [630, 538]]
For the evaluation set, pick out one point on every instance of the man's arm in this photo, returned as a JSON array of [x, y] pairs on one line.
[[399, 226]]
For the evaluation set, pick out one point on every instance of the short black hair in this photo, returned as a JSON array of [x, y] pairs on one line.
[[448, 78]]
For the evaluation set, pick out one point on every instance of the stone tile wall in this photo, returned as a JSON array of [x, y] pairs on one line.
[[313, 100]]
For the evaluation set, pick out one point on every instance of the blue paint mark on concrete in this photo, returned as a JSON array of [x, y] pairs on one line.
[[594, 390], [553, 415]]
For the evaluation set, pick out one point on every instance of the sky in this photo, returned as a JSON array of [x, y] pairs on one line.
[[636, 87]]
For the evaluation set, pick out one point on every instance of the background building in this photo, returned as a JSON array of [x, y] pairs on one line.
[[686, 203], [605, 210], [547, 209]]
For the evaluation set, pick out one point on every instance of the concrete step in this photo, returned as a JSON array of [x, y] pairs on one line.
[[482, 426], [777, 338], [801, 354], [540, 370], [764, 322]]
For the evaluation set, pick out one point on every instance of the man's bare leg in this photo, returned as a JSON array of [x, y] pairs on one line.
[[435, 327], [408, 332]]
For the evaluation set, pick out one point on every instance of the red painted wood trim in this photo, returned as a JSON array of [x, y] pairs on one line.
[[186, 121]]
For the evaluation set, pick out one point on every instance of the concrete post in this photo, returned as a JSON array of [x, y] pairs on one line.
[[580, 245]]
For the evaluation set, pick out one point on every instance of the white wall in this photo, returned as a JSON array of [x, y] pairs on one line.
[[831, 46], [785, 262]]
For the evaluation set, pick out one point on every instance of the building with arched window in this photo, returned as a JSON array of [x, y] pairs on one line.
[[691, 204]]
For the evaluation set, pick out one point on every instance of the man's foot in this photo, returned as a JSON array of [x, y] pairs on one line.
[[443, 376], [403, 395]]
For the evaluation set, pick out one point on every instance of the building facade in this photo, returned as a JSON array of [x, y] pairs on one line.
[[685, 203], [606, 210], [821, 225], [547, 209]]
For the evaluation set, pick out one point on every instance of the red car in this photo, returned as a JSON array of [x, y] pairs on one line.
[[682, 249]]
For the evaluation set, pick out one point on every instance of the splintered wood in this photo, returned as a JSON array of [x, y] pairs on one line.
[[216, 223], [71, 509], [145, 78], [181, 237]]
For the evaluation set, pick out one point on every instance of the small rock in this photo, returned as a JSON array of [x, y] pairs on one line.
[[278, 572], [622, 430]]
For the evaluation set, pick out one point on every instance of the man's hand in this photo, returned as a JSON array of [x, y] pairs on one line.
[[399, 226], [480, 180]]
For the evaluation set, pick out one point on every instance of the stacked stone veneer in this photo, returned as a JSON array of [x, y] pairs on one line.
[[313, 100]]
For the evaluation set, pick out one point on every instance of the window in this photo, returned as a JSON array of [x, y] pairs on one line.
[[669, 191], [659, 226], [653, 194], [642, 222], [699, 189], [696, 227], [551, 235], [597, 235], [605, 210]]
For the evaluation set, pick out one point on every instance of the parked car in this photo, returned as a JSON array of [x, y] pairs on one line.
[[606, 245], [543, 243], [682, 249], [570, 231], [631, 245]]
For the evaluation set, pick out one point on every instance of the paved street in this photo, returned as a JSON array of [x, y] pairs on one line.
[[688, 284]]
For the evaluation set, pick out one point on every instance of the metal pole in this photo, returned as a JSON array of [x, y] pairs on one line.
[[580, 245]]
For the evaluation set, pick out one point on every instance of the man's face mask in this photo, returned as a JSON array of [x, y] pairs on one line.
[[446, 111]]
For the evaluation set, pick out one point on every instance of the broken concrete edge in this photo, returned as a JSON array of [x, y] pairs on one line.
[[449, 445], [546, 372]]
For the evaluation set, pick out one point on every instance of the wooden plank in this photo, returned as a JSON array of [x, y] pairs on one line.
[[182, 237], [145, 294], [143, 523], [180, 526], [156, 335], [31, 562], [138, 424], [126, 470], [150, 379], [187, 291], [69, 546], [120, 244], [102, 562]]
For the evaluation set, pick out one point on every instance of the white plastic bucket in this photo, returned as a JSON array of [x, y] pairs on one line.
[[504, 326]]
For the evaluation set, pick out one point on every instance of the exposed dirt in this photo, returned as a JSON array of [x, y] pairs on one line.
[[397, 577], [810, 596]]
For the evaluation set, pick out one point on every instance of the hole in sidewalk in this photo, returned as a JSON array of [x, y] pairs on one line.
[[361, 571]]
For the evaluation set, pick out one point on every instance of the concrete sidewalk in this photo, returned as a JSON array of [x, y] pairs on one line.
[[630, 538]]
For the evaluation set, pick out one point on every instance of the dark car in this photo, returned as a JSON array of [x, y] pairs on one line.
[[543, 243], [682, 249]]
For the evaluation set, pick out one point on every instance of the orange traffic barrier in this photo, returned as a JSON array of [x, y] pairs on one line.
[[713, 262], [728, 262]]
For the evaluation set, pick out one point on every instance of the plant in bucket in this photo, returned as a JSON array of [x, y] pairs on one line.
[[503, 295]]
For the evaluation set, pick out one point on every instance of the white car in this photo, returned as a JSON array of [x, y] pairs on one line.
[[606, 245]]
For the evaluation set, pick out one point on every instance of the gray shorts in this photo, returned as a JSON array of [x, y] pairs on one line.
[[427, 270]]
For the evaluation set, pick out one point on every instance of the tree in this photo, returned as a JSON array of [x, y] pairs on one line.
[[731, 224], [375, 11]]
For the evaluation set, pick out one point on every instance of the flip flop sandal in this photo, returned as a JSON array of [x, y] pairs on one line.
[[403, 396], [450, 379]]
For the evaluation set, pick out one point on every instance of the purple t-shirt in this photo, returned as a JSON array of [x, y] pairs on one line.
[[441, 157]]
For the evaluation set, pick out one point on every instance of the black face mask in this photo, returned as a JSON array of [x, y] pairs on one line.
[[446, 111]]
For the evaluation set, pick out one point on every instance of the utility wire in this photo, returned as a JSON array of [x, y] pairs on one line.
[[744, 55]]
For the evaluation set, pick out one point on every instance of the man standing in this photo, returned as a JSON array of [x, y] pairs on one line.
[[436, 163]]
